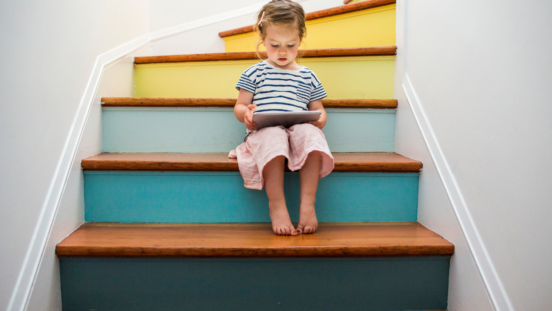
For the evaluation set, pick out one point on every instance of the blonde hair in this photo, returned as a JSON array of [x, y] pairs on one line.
[[280, 12]]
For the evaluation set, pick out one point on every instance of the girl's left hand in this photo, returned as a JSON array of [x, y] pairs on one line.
[[317, 105], [320, 122]]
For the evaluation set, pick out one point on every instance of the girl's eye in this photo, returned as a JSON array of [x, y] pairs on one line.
[[275, 45], [291, 45]]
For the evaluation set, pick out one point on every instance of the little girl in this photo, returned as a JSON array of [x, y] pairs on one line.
[[280, 84]]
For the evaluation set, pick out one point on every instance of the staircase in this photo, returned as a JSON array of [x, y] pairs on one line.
[[169, 225]]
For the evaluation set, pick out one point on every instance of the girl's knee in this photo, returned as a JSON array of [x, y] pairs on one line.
[[315, 154]]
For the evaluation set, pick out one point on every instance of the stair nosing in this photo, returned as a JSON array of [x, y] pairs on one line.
[[348, 8], [307, 53], [219, 162], [230, 102], [181, 240]]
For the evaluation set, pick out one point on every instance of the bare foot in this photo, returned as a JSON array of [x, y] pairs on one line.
[[281, 223], [307, 219]]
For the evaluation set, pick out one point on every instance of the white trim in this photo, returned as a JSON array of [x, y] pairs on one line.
[[209, 20], [482, 259], [35, 252]]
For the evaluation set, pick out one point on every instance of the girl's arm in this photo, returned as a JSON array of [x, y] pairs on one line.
[[317, 105], [244, 109]]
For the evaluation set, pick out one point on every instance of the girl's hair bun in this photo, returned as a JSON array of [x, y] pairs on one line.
[[281, 12]]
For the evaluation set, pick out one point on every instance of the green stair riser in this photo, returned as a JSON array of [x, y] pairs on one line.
[[201, 130], [119, 284], [220, 197]]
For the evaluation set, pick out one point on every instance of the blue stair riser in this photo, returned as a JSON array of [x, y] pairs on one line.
[[220, 197], [254, 284], [199, 130]]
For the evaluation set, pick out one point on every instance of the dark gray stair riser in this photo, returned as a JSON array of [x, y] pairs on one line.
[[255, 284]]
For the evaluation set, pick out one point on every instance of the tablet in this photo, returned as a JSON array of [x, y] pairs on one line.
[[285, 119]]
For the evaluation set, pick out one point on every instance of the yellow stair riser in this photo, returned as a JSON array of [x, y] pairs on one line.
[[369, 77], [371, 27]]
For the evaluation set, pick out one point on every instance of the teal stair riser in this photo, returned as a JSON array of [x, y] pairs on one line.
[[254, 284], [200, 130], [220, 197]]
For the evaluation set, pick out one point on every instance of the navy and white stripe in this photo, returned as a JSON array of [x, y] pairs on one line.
[[278, 89]]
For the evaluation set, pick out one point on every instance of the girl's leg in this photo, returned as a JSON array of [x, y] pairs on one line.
[[309, 175], [273, 174]]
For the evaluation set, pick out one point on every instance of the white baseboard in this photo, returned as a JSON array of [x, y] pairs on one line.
[[35, 252], [482, 259]]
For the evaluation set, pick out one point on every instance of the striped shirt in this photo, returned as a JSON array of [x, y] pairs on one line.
[[278, 89]]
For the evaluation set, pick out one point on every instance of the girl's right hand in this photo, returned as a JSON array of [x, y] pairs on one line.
[[248, 117]]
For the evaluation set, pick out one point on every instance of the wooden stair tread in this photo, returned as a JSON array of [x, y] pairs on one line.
[[344, 162], [339, 52], [230, 102], [252, 240], [319, 14]]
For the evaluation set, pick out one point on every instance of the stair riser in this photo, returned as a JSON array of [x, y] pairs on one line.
[[197, 130], [220, 197], [254, 284], [364, 77], [372, 27]]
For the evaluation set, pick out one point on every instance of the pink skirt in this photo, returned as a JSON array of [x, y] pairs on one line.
[[294, 143]]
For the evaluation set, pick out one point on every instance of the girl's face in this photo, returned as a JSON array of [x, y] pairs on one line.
[[282, 44]]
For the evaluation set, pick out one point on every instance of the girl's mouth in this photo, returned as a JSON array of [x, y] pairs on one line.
[[282, 59]]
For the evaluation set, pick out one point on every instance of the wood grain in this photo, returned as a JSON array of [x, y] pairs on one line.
[[312, 53], [344, 162], [230, 102], [252, 240], [319, 14], [167, 102], [363, 5]]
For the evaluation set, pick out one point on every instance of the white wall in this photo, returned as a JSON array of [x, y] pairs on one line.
[[481, 73], [187, 35], [168, 13], [49, 50], [467, 290]]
